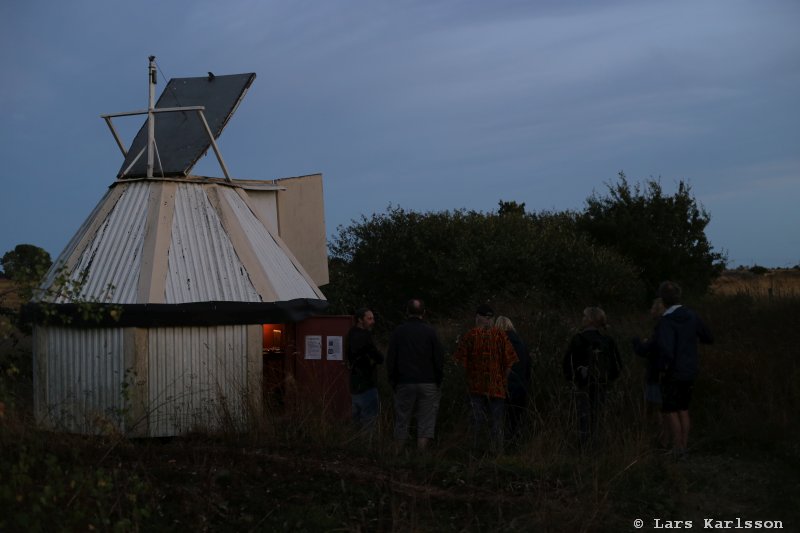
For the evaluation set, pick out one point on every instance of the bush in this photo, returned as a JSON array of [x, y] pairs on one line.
[[758, 269], [453, 259], [664, 236]]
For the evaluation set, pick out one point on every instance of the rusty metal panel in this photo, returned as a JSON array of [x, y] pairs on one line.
[[203, 265], [108, 269], [322, 383], [81, 372], [181, 138], [287, 280], [197, 379]]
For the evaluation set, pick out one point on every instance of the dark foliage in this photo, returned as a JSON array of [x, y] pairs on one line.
[[664, 236], [26, 263], [453, 259], [758, 269]]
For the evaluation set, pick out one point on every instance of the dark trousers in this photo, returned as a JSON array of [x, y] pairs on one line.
[[589, 406], [487, 411], [516, 405]]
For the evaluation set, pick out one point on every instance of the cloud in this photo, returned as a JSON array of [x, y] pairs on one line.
[[428, 105]]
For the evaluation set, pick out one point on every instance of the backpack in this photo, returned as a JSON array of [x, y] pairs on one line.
[[594, 359]]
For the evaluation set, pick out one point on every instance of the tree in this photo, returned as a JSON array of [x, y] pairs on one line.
[[26, 263], [453, 259], [664, 236], [510, 208]]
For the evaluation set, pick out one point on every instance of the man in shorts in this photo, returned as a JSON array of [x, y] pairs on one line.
[[414, 364], [676, 338]]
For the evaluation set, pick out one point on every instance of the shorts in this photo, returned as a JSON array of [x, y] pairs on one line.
[[676, 395], [420, 400]]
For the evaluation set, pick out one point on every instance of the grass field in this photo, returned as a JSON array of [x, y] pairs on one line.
[[299, 472], [783, 283]]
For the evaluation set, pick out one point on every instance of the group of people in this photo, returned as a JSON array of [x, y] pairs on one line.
[[415, 363], [496, 361], [497, 367], [592, 363]]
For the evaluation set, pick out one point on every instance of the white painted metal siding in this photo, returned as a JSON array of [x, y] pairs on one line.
[[203, 265], [58, 264], [266, 203], [83, 375], [197, 379], [111, 262], [286, 279]]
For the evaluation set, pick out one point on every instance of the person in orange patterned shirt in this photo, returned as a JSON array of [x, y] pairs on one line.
[[487, 356]]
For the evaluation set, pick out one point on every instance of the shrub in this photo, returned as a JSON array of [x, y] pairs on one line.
[[453, 259], [664, 236]]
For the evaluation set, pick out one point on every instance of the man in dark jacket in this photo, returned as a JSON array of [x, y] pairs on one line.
[[676, 339], [414, 364], [363, 359]]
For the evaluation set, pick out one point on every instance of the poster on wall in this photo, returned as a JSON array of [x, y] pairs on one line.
[[313, 346], [334, 348]]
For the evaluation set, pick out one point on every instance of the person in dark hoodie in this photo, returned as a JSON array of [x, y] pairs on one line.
[[592, 363], [676, 338]]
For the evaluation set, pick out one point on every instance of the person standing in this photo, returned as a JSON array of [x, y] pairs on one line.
[[414, 364], [592, 363], [363, 358], [519, 381], [487, 356], [652, 392], [676, 339]]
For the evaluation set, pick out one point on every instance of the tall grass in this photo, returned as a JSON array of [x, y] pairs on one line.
[[300, 469]]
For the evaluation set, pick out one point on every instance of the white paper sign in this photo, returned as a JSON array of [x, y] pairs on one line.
[[313, 346], [334, 348]]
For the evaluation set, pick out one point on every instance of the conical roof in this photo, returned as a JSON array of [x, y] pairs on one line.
[[177, 249], [165, 248]]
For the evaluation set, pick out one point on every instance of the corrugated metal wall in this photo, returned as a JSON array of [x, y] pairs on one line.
[[60, 262], [197, 379], [81, 379], [288, 282], [203, 266], [112, 260]]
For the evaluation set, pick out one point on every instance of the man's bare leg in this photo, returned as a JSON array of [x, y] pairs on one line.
[[686, 425], [674, 424]]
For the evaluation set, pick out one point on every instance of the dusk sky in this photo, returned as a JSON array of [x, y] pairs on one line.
[[427, 105]]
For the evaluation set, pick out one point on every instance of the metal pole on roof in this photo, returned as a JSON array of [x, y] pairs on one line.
[[151, 119], [214, 145]]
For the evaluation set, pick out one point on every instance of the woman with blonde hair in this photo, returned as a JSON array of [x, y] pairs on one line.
[[519, 381]]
